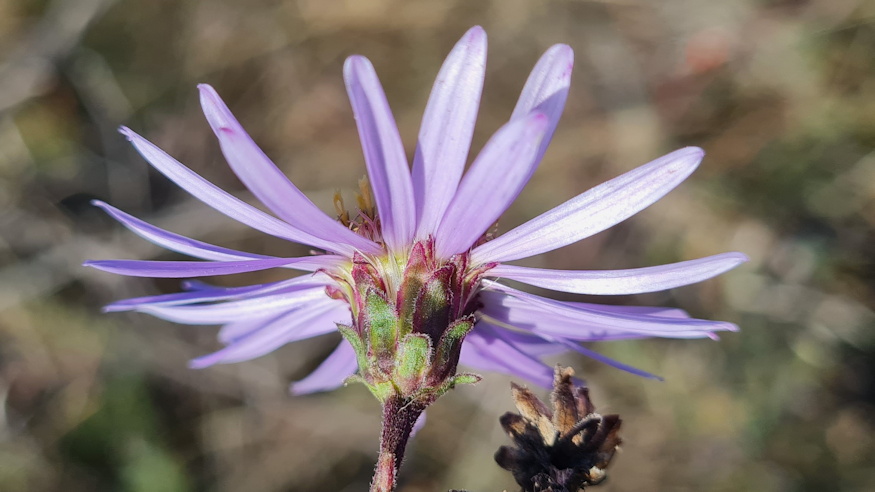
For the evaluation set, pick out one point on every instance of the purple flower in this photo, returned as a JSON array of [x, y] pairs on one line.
[[421, 233]]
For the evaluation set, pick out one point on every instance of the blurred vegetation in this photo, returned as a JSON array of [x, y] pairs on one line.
[[780, 93]]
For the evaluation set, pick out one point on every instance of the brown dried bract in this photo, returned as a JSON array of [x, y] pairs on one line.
[[562, 449]]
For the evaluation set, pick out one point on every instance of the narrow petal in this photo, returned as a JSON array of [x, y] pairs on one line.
[[183, 269], [529, 311], [383, 151], [209, 293], [486, 350], [314, 321], [518, 319], [237, 330], [268, 183], [172, 241], [534, 345], [635, 310], [226, 312], [609, 361], [447, 128], [221, 200], [616, 282], [593, 211], [544, 325], [181, 298], [331, 374], [230, 332], [495, 179], [546, 90]]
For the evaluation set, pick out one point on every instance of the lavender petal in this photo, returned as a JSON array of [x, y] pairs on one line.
[[607, 360], [209, 293], [593, 211], [447, 128], [269, 184], [318, 319], [226, 312], [523, 310], [219, 199], [331, 374], [503, 168], [533, 345], [174, 242], [183, 269], [546, 90], [631, 281], [383, 151], [485, 349]]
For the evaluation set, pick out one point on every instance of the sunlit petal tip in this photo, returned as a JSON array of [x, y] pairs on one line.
[[356, 62], [206, 88], [687, 157], [213, 107], [561, 55], [474, 33]]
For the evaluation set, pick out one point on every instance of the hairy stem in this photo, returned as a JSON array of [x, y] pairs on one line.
[[399, 416]]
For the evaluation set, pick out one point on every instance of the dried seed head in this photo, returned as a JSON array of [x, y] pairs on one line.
[[562, 449]]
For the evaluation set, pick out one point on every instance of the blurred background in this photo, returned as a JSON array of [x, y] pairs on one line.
[[781, 94]]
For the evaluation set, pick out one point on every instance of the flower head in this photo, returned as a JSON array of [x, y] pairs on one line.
[[558, 449], [410, 275]]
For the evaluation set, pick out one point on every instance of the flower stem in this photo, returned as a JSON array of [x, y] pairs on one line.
[[399, 416]]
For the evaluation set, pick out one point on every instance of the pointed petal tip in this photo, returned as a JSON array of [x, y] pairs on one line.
[[116, 308], [740, 257], [128, 133], [691, 151], [562, 52], [296, 389], [210, 97], [475, 34], [204, 361], [355, 62]]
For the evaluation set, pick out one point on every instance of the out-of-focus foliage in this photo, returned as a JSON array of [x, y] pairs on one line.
[[780, 93]]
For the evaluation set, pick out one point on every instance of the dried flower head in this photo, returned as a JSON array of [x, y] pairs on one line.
[[562, 449]]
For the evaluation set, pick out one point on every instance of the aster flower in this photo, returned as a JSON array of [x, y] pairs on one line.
[[413, 272]]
